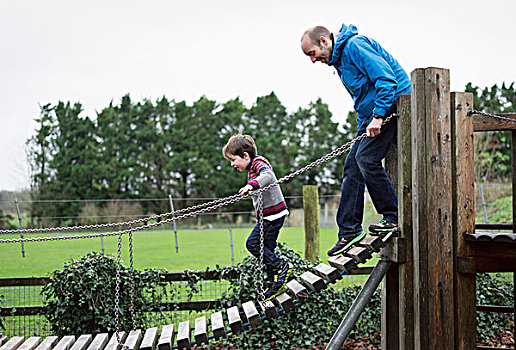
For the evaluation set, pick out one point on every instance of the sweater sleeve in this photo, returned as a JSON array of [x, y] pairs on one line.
[[265, 176]]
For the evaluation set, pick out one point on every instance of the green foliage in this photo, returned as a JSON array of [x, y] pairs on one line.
[[493, 149], [493, 289], [80, 298], [311, 323], [150, 150]]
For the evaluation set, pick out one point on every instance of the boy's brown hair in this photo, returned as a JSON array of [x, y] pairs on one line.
[[238, 144]]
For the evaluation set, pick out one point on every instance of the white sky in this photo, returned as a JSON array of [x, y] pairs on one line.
[[97, 51]]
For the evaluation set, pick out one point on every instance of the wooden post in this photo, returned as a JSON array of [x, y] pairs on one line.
[[513, 166], [463, 186], [432, 209], [390, 283], [311, 216], [406, 270]]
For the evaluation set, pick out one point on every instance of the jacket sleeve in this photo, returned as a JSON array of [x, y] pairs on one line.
[[377, 70], [265, 176]]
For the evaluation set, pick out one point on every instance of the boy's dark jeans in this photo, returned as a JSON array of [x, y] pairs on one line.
[[270, 241], [363, 167]]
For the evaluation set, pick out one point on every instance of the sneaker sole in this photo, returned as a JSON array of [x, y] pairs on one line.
[[350, 244]]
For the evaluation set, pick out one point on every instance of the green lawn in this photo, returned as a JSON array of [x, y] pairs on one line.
[[198, 249]]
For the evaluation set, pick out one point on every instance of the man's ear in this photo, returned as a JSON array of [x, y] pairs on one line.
[[323, 41]]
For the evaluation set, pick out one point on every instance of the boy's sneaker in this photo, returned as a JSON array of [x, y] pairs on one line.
[[344, 244], [382, 227], [273, 292], [283, 275]]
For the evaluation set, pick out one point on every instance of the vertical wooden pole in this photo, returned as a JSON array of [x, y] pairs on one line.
[[390, 283], [406, 270], [513, 164], [432, 190], [311, 216], [463, 187]]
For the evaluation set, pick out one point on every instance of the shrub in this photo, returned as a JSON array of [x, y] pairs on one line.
[[80, 298]]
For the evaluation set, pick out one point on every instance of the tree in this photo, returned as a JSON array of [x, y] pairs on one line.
[[492, 149]]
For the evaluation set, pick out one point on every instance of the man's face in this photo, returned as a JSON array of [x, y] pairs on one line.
[[317, 53]]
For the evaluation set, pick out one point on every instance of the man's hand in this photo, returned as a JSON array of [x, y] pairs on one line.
[[375, 127], [245, 190]]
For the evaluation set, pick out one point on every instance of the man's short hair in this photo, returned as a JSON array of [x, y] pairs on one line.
[[315, 34], [238, 144]]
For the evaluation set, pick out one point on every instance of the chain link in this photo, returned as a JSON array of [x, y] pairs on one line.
[[132, 277], [117, 289], [475, 112], [260, 211]]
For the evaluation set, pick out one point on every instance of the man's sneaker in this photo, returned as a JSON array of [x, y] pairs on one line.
[[283, 275], [344, 244], [382, 227]]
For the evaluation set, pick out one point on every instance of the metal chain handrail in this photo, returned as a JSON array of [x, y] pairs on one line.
[[473, 112], [208, 206], [125, 223]]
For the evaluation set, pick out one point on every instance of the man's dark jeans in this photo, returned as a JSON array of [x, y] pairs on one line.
[[363, 167], [270, 241]]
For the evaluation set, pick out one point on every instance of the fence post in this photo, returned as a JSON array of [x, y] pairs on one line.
[[231, 243], [311, 218], [21, 227], [173, 222]]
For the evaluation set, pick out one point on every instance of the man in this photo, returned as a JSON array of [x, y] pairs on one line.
[[375, 80]]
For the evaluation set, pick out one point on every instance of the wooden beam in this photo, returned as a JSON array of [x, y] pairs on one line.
[[481, 123], [432, 208], [406, 270], [463, 186], [470, 264]]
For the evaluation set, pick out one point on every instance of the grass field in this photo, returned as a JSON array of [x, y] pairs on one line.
[[198, 249]]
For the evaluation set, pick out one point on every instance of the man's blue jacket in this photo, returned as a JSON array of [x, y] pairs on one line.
[[371, 75]]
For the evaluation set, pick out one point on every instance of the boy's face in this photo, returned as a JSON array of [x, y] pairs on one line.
[[238, 162]]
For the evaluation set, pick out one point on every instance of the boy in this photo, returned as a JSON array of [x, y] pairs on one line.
[[242, 153]]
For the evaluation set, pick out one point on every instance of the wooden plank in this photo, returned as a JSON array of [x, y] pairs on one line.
[[359, 254], [285, 301], [433, 213], [167, 337], [183, 335], [463, 185], [65, 343], [372, 243], [217, 325], [419, 195], [82, 342], [200, 332], [113, 342], [149, 339], [48, 343], [342, 263], [390, 298], [298, 289], [133, 340], [311, 218], [253, 317], [235, 323], [481, 123], [13, 343], [312, 281], [406, 270], [30, 344], [269, 309], [329, 273], [99, 342], [485, 264], [3, 340]]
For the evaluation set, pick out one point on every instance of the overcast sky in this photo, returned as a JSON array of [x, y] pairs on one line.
[[95, 52]]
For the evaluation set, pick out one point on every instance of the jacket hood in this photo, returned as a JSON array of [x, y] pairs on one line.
[[345, 33]]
